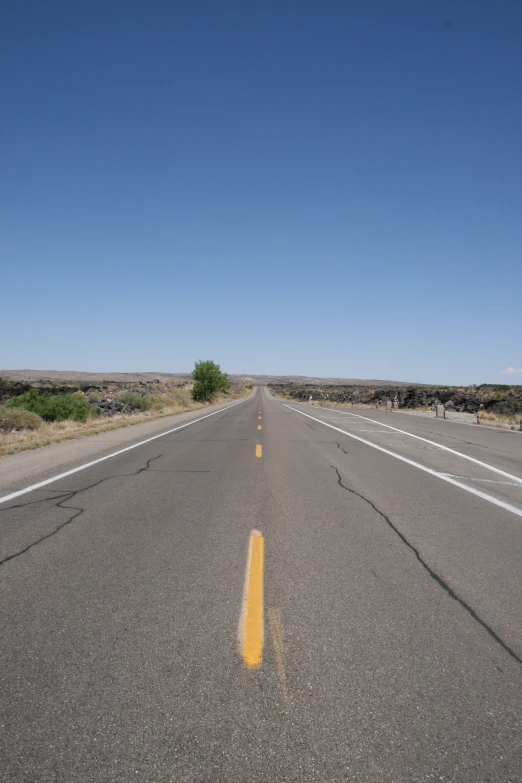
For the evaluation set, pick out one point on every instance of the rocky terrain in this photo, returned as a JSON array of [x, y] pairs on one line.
[[121, 392], [112, 394], [503, 400], [111, 397], [86, 378]]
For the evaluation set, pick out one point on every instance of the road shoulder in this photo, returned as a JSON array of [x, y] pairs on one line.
[[28, 467]]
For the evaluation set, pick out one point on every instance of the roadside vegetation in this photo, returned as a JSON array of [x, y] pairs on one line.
[[49, 407], [499, 420], [19, 419], [38, 417], [209, 380]]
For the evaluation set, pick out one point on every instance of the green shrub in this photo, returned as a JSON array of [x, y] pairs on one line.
[[136, 401], [208, 380], [18, 419], [54, 407]]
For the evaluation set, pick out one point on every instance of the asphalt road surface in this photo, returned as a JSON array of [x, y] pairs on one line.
[[276, 592]]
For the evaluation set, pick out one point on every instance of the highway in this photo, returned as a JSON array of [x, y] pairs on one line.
[[270, 591]]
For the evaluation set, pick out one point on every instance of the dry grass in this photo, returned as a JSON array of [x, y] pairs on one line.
[[498, 420], [178, 401]]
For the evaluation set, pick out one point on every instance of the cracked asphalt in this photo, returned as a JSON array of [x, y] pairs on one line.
[[397, 655]]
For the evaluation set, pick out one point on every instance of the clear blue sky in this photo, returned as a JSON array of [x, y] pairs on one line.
[[318, 188]]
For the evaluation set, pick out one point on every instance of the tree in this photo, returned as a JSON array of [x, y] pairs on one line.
[[208, 380]]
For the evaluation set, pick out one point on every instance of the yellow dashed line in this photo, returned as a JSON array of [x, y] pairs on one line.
[[252, 622], [259, 451], [258, 426]]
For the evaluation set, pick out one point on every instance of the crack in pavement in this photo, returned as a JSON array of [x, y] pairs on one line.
[[65, 497], [334, 443], [433, 574]]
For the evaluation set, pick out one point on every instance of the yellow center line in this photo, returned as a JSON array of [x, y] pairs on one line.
[[252, 622], [258, 426], [259, 451], [259, 417]]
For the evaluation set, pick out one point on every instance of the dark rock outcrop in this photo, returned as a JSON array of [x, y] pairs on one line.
[[506, 400]]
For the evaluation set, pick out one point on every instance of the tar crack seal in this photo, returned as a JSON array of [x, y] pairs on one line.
[[433, 574]]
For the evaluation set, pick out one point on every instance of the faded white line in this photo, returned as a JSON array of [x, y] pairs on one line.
[[40, 484], [484, 481], [379, 432], [339, 418], [364, 429], [425, 440], [442, 476]]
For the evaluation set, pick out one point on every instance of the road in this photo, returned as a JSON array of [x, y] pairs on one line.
[[277, 592]]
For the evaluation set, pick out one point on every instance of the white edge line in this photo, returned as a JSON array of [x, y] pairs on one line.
[[418, 437], [19, 492], [472, 490]]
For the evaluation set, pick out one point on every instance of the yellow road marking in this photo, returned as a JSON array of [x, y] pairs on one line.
[[259, 417], [258, 426], [252, 625], [276, 627], [259, 451]]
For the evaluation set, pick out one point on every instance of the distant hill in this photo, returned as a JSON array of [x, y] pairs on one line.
[[63, 376], [262, 380]]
